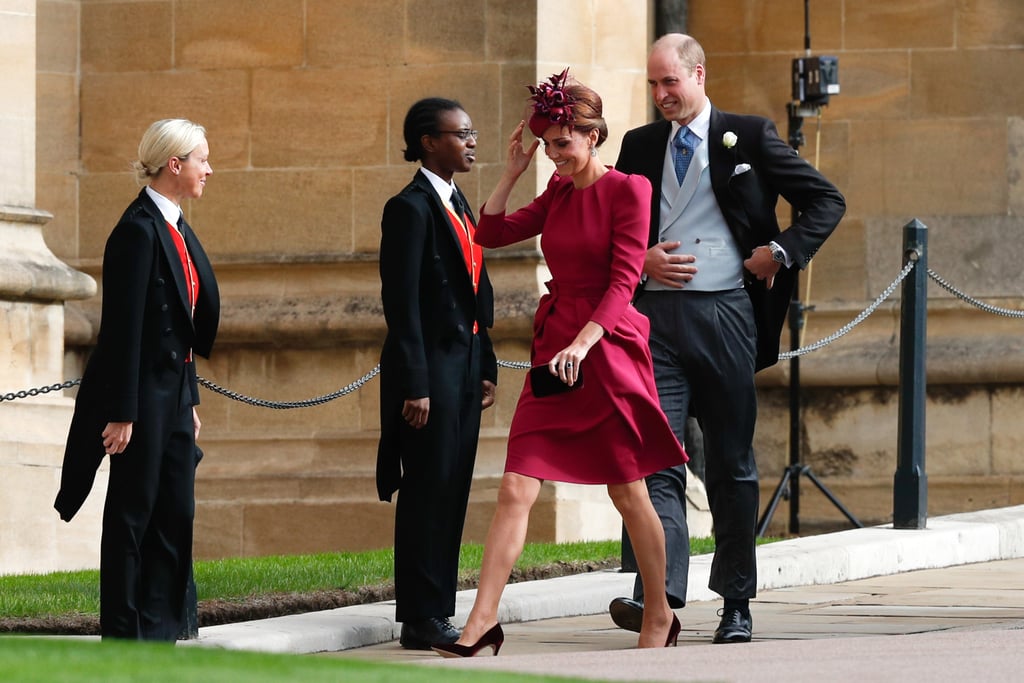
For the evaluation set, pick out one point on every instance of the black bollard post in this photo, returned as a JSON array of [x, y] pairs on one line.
[[910, 488]]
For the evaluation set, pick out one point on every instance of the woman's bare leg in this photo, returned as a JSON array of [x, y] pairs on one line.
[[504, 544], [648, 537]]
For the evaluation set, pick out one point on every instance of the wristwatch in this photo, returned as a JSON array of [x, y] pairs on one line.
[[778, 255]]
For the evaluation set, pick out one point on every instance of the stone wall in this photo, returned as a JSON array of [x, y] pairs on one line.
[[304, 101]]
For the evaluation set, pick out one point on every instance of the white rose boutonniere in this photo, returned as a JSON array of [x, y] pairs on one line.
[[729, 139]]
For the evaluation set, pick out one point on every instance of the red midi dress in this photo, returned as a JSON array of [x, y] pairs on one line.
[[612, 429]]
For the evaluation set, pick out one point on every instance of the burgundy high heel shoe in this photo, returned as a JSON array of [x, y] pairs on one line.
[[493, 639], [673, 632]]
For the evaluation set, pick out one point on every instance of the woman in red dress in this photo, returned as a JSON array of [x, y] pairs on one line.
[[593, 222]]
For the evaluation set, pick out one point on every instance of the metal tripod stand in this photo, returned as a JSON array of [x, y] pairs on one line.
[[791, 475]]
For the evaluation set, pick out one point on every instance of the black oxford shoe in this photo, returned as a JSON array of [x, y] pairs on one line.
[[735, 627], [627, 614], [422, 633]]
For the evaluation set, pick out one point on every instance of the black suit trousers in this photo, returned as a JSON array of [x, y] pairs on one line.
[[437, 472], [146, 546], [704, 346]]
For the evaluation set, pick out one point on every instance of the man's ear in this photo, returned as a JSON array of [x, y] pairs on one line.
[[428, 142]]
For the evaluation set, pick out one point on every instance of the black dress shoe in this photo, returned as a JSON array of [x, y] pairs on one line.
[[735, 627], [421, 634], [627, 614]]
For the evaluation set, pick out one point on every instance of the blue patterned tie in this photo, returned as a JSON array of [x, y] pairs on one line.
[[683, 145]]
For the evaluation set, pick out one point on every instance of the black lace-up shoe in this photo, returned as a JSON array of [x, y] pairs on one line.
[[735, 627], [422, 633]]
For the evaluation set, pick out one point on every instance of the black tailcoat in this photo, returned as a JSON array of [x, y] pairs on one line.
[[146, 332], [430, 351]]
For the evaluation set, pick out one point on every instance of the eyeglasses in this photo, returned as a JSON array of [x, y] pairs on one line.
[[462, 134]]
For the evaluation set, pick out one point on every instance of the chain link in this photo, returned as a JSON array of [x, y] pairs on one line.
[[525, 365], [25, 393], [988, 308], [856, 321], [287, 405]]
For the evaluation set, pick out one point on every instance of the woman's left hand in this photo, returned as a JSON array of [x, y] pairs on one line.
[[566, 363]]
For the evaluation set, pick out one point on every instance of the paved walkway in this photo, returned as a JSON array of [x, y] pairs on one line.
[[827, 610]]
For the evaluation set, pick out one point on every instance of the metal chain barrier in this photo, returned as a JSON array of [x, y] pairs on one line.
[[988, 308], [786, 355], [525, 365], [287, 405], [25, 393]]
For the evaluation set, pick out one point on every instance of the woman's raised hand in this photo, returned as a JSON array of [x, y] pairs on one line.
[[519, 157]]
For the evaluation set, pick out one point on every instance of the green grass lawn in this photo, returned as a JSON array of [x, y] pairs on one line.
[[56, 660], [35, 595]]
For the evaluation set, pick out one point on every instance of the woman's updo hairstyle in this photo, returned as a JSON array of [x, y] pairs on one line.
[[162, 140], [423, 119], [587, 111]]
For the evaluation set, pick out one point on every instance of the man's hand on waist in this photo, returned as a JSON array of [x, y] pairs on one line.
[[671, 270]]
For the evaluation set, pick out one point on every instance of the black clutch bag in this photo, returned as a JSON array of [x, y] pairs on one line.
[[544, 383]]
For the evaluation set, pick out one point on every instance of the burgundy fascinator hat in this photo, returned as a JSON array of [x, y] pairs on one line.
[[552, 105]]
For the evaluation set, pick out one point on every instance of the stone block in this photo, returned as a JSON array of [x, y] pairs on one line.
[[32, 536], [272, 221], [238, 34], [873, 85], [57, 193], [511, 32], [319, 118], [57, 36], [625, 99], [440, 31], [218, 100], [902, 168], [514, 107], [730, 26], [355, 32], [293, 528], [371, 189], [949, 84], [956, 446], [849, 433], [57, 122], [880, 24], [987, 23], [1007, 431], [621, 41], [102, 198], [127, 36], [752, 85], [836, 272], [31, 341], [1015, 165], [969, 252], [219, 530]]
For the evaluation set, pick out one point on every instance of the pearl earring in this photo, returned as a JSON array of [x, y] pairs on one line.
[[593, 151]]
